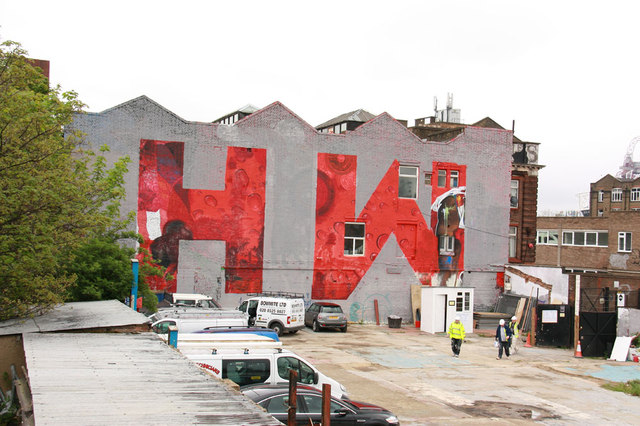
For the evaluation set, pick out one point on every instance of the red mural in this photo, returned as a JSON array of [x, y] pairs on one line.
[[343, 256], [168, 212]]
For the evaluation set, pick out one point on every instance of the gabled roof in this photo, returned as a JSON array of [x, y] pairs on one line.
[[358, 115], [490, 123], [140, 100]]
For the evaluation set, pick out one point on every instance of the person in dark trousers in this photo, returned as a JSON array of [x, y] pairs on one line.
[[503, 337], [456, 332]]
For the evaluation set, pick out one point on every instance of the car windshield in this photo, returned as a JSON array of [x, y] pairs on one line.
[[332, 309]]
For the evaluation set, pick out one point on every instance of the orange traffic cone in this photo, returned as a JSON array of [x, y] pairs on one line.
[[578, 353], [528, 342]]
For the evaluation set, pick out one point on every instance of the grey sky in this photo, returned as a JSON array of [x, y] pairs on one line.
[[566, 71]]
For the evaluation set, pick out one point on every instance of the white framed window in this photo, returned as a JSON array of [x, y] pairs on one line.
[[446, 244], [546, 237], [515, 188], [454, 178], [336, 129], [600, 196], [624, 241], [585, 238], [354, 239], [343, 127], [616, 194], [442, 178], [513, 241], [408, 182], [600, 212], [635, 194], [463, 301]]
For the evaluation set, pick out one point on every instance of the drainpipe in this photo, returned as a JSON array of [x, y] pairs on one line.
[[134, 285]]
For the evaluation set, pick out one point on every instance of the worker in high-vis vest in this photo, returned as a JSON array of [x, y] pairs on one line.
[[456, 333], [515, 334]]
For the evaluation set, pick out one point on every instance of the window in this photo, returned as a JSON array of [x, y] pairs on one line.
[[306, 374], [635, 194], [408, 182], [246, 371], [463, 301], [446, 244], [513, 240], [616, 194], [585, 238], [600, 196], [514, 194], [442, 178], [343, 127], [600, 212], [354, 239], [624, 241], [453, 179], [314, 405], [545, 237], [427, 178]]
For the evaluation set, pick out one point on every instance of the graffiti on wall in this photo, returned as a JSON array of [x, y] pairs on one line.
[[346, 245], [169, 213]]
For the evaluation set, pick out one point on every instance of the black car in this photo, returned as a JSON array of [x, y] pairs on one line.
[[325, 315], [274, 398]]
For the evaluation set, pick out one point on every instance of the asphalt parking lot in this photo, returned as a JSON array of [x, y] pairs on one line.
[[414, 375]]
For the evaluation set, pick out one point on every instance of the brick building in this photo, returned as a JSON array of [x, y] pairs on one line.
[[269, 203], [611, 194]]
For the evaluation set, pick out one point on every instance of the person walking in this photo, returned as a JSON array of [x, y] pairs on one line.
[[456, 332], [515, 334], [503, 337]]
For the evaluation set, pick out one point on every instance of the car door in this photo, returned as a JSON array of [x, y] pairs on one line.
[[310, 315], [310, 405]]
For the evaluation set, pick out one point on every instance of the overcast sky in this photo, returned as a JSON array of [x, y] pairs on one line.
[[567, 72]]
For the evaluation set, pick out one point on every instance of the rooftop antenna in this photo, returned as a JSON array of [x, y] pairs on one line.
[[435, 106]]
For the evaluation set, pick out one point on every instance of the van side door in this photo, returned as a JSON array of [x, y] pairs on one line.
[[246, 371]]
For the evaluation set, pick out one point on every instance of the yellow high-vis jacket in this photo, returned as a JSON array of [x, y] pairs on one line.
[[456, 330]]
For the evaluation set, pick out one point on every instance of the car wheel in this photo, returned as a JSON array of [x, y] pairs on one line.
[[277, 327], [344, 329], [316, 327]]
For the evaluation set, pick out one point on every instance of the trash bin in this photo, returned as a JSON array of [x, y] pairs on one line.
[[394, 321]]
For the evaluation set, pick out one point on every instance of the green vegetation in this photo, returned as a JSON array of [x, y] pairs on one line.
[[61, 231], [632, 387]]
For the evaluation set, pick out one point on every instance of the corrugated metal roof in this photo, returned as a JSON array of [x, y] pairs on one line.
[[359, 115], [76, 316], [88, 379]]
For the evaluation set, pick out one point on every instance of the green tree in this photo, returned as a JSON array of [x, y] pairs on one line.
[[57, 199]]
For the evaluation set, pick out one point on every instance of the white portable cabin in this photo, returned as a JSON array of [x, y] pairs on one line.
[[440, 306]]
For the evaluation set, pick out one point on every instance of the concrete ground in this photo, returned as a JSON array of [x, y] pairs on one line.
[[414, 375]]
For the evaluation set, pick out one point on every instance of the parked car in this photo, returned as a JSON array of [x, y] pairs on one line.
[[325, 315], [243, 330], [274, 398]]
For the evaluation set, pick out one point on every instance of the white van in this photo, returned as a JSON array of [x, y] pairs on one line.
[[191, 325], [246, 366], [281, 314], [192, 299], [205, 343]]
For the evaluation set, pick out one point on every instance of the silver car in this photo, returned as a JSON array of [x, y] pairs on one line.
[[325, 315]]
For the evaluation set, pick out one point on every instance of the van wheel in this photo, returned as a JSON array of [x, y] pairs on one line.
[[315, 326], [277, 327], [344, 329]]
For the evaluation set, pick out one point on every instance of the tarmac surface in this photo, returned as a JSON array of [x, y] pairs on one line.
[[414, 375]]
